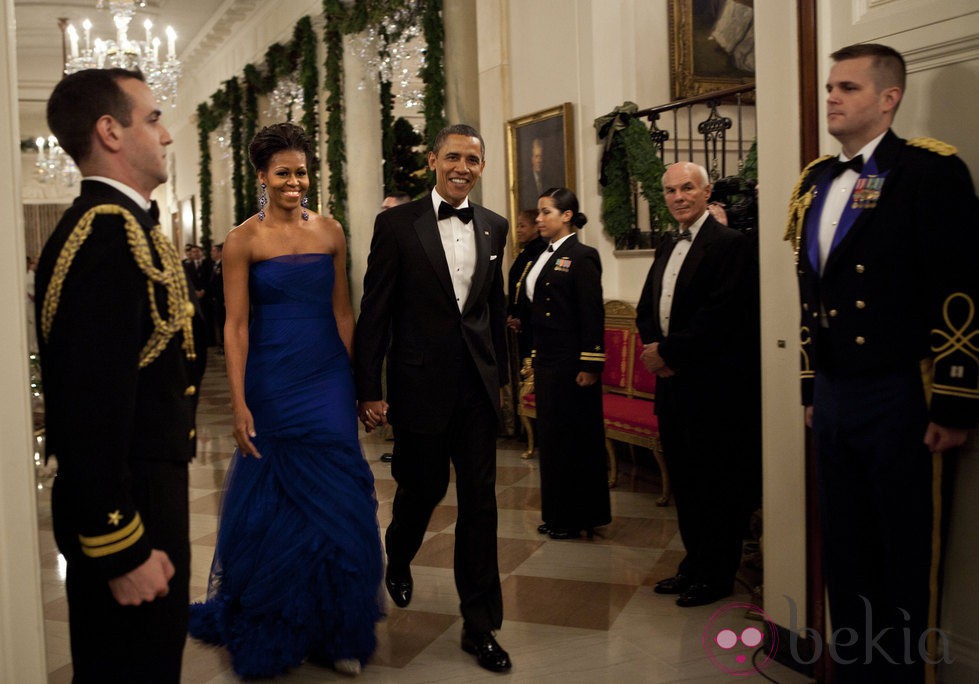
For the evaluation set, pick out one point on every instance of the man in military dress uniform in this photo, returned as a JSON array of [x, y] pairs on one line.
[[886, 242], [114, 324]]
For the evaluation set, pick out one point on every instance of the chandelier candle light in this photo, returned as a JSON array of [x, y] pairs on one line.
[[55, 165], [161, 74]]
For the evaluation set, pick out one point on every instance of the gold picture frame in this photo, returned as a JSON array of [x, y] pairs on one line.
[[711, 45], [540, 155]]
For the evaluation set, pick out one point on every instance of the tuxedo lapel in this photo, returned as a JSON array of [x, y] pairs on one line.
[[427, 230], [705, 237], [484, 247]]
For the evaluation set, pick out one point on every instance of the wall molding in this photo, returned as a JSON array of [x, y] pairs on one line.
[[942, 54]]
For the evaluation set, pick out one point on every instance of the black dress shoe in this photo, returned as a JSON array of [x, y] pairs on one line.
[[399, 587], [387, 457], [559, 533], [701, 595], [543, 528], [488, 653], [673, 585]]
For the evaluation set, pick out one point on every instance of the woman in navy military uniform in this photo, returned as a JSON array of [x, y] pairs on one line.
[[564, 291]]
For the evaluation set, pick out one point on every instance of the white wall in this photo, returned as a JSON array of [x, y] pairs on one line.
[[21, 623]]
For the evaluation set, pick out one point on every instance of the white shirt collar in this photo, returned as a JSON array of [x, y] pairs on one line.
[[558, 243], [697, 225], [124, 189], [437, 201], [867, 150]]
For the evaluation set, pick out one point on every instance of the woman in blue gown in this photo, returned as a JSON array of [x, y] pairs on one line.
[[297, 567]]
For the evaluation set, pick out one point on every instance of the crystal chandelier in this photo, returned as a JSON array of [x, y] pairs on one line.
[[286, 101], [55, 164], [161, 72], [394, 52]]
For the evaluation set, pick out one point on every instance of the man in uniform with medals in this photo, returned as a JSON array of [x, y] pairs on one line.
[[885, 237]]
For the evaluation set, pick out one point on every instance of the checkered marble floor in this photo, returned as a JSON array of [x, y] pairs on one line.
[[574, 611]]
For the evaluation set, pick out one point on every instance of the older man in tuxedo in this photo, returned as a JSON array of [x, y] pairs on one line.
[[434, 289], [698, 318]]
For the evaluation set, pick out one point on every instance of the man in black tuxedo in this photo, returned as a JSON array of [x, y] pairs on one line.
[[117, 348], [886, 240], [698, 317], [434, 289]]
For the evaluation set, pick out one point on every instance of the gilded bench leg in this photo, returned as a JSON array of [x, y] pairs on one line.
[[657, 450], [529, 427], [613, 464]]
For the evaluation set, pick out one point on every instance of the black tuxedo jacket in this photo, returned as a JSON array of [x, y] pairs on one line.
[[102, 411], [711, 296], [901, 285], [409, 312], [713, 318]]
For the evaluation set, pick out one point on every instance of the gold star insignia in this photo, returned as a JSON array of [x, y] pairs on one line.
[[115, 517]]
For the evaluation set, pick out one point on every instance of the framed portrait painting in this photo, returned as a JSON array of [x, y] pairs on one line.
[[540, 155], [712, 45]]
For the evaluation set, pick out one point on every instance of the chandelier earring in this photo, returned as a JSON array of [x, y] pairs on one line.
[[262, 201], [305, 203]]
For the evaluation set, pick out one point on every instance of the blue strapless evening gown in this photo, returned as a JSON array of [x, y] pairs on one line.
[[298, 566]]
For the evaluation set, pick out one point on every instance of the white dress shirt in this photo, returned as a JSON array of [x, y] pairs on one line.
[[459, 244], [671, 272], [837, 196], [530, 282]]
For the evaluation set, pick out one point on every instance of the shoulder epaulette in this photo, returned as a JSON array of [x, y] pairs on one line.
[[933, 145], [798, 205], [179, 309]]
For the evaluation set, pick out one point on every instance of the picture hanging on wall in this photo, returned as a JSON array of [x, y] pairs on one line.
[[540, 155], [712, 45]]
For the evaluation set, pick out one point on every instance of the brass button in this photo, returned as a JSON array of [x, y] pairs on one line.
[[859, 339], [860, 268], [192, 433], [860, 304], [815, 314], [547, 315], [190, 391], [833, 313], [189, 309], [805, 306]]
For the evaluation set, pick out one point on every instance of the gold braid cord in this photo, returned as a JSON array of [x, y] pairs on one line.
[[932, 145], [960, 340], [798, 206], [180, 311]]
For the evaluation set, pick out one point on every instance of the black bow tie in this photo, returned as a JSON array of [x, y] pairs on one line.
[[839, 167], [550, 248], [684, 235], [446, 210], [155, 210]]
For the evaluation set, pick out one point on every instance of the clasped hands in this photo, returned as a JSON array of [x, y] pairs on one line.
[[653, 362], [373, 414]]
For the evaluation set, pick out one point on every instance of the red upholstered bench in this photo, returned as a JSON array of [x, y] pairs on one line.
[[628, 395]]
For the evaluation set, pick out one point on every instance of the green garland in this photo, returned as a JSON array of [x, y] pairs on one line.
[[237, 175], [433, 73], [336, 158], [252, 81], [387, 136], [284, 59], [280, 60]]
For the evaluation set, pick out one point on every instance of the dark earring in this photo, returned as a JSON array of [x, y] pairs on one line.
[[262, 201], [305, 203]]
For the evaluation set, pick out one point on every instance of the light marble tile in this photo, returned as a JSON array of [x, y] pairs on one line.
[[581, 560]]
